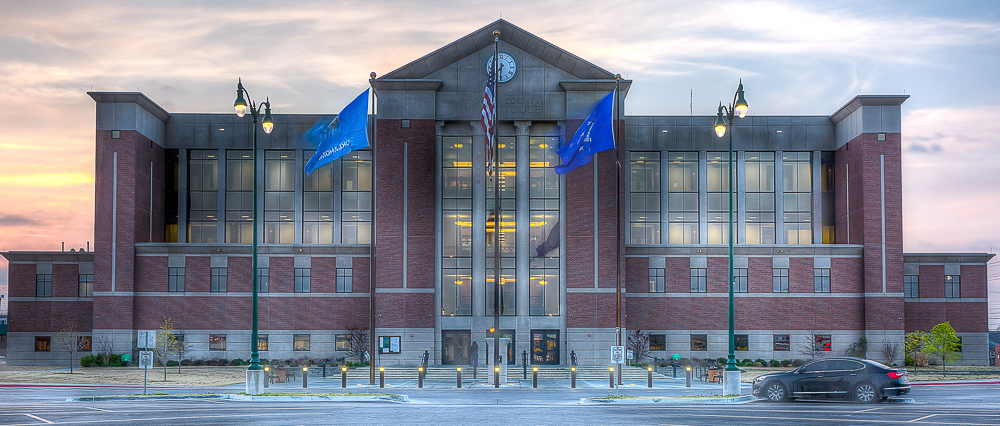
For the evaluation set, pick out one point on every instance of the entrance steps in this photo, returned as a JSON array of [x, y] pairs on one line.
[[514, 372]]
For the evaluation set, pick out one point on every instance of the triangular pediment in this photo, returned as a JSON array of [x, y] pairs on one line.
[[510, 35]]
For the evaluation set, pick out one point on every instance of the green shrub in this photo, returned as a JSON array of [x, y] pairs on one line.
[[722, 360], [760, 362], [115, 360], [171, 363], [774, 363], [88, 360], [198, 362]]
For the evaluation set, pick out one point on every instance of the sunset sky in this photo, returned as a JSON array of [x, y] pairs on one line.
[[795, 58]]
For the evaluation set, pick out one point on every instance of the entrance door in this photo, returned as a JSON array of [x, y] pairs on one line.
[[545, 347], [455, 347]]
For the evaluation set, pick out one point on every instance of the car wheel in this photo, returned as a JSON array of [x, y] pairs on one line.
[[867, 393], [775, 392]]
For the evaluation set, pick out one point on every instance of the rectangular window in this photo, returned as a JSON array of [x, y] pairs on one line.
[[911, 286], [317, 203], [958, 347], [456, 226], [657, 342], [239, 196], [644, 197], [263, 280], [741, 279], [797, 197], [656, 280], [219, 280], [216, 342], [508, 287], [821, 280], [343, 342], [43, 343], [781, 342], [279, 197], [699, 280], [780, 280], [43, 285], [84, 343], [356, 197], [682, 197], [543, 287], [300, 342], [261, 342], [302, 280], [203, 195], [699, 342], [953, 286], [86, 285], [175, 279], [718, 198], [456, 286], [345, 280], [759, 197], [742, 342], [823, 342]]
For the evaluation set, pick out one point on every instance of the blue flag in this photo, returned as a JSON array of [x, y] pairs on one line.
[[335, 137], [596, 134]]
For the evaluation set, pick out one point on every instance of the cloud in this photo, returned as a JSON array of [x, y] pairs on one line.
[[16, 220], [917, 147]]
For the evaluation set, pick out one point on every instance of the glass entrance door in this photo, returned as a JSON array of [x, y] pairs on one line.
[[545, 347]]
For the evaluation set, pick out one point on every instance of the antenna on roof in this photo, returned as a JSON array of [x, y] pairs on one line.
[[692, 102]]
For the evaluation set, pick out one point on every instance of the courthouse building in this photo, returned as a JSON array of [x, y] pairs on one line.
[[818, 244]]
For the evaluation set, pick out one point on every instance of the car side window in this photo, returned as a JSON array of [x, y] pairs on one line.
[[816, 366], [852, 365]]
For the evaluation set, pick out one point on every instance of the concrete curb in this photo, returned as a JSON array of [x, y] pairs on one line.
[[671, 400], [236, 397]]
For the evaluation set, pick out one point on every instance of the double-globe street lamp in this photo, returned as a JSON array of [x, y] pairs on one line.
[[731, 376], [255, 378]]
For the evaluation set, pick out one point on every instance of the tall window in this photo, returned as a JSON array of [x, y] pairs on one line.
[[505, 177], [741, 342], [682, 197], [821, 280], [86, 285], [239, 196], [356, 204], [779, 280], [656, 277], [699, 280], [43, 285], [175, 279], [797, 197], [203, 195], [263, 280], [644, 203], [829, 201], [953, 286], [279, 197], [262, 342], [302, 280], [911, 286], [740, 278], [219, 280], [317, 204], [345, 280], [543, 231], [456, 226], [718, 198], [760, 197]]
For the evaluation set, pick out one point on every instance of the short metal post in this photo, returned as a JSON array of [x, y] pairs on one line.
[[649, 377], [458, 378], [324, 371], [675, 370], [534, 377], [305, 377], [496, 376], [343, 377], [572, 377], [267, 377], [611, 377], [381, 377], [524, 364], [420, 377], [687, 379]]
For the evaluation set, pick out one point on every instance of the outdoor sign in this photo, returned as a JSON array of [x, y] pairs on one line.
[[617, 354], [146, 340], [146, 360], [630, 354], [388, 344], [676, 356], [126, 357]]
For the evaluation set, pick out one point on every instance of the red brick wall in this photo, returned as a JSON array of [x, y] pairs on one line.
[[590, 310], [637, 274], [712, 313], [932, 281], [323, 275], [49, 316], [21, 279], [152, 273], [759, 275]]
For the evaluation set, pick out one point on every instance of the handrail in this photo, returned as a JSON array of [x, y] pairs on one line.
[[364, 355], [572, 359]]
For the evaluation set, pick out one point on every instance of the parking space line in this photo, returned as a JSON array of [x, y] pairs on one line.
[[99, 409], [922, 418], [38, 418]]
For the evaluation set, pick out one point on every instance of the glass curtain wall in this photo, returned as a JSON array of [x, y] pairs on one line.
[[718, 198], [239, 196], [505, 176], [682, 197], [543, 248], [760, 197], [356, 187], [279, 197], [644, 203], [203, 195], [796, 171], [456, 226], [317, 204]]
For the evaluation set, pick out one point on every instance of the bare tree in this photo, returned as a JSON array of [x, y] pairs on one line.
[[809, 347], [889, 351], [70, 339], [359, 341], [166, 344], [179, 351], [638, 343], [104, 349]]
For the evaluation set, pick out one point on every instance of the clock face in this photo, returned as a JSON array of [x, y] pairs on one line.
[[508, 67]]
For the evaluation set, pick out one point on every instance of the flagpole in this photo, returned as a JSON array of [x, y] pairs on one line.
[[371, 273], [618, 227], [496, 214]]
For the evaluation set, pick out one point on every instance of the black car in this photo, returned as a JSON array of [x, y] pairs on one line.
[[856, 379]]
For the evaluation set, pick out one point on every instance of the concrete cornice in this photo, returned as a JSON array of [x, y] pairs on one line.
[[867, 100], [163, 249], [48, 256], [818, 250], [407, 84], [942, 258], [131, 98]]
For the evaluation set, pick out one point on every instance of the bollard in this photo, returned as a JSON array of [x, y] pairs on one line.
[[496, 377], [573, 377], [675, 371], [381, 377], [611, 377], [267, 377], [687, 378], [649, 377], [343, 377], [524, 364], [305, 377], [420, 377], [458, 378], [534, 377], [620, 376]]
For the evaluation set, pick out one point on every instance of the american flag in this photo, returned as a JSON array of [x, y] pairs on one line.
[[490, 117]]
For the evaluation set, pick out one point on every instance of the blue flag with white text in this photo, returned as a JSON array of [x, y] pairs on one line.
[[335, 137], [596, 134]]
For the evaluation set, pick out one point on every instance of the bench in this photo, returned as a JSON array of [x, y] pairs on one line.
[[714, 376]]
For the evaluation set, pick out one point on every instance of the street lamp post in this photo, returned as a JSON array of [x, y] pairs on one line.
[[731, 376], [255, 377]]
